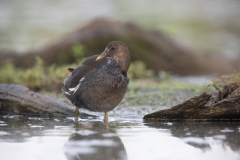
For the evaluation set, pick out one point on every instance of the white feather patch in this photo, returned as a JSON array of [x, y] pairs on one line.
[[76, 88], [81, 79], [67, 93], [72, 89]]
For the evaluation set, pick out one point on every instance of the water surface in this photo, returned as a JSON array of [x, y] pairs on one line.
[[128, 137]]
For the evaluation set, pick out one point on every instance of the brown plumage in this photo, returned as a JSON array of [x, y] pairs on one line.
[[100, 82]]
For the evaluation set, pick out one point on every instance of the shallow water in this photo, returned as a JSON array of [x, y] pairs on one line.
[[128, 137]]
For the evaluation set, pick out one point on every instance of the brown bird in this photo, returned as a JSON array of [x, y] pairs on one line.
[[100, 82]]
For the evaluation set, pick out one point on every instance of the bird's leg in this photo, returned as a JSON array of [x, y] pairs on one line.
[[76, 113], [106, 120], [76, 124], [106, 117]]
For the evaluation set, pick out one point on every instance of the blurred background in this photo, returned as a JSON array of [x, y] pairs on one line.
[[208, 24], [177, 47], [187, 37]]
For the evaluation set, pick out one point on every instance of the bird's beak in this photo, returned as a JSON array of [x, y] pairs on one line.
[[101, 56]]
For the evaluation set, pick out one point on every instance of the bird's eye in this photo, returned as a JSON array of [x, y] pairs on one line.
[[113, 49]]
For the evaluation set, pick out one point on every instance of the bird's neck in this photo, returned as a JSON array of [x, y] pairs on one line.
[[113, 66], [123, 64]]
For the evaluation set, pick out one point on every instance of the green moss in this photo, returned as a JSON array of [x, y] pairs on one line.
[[138, 70], [36, 78], [40, 77], [149, 92], [50, 78], [9, 73]]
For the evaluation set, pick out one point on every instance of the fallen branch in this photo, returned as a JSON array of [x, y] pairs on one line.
[[196, 109], [19, 99]]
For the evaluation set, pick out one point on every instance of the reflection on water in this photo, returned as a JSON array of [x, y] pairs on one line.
[[199, 134], [95, 143], [62, 138]]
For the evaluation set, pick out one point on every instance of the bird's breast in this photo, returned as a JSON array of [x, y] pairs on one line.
[[103, 91]]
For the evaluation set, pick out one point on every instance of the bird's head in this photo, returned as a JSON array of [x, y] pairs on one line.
[[118, 51]]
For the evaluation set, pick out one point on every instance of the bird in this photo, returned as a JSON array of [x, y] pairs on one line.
[[100, 82]]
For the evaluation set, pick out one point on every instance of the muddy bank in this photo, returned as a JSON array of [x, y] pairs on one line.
[[155, 49]]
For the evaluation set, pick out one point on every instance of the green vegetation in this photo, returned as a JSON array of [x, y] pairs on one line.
[[225, 80], [138, 70], [167, 92], [143, 89], [36, 78], [50, 78]]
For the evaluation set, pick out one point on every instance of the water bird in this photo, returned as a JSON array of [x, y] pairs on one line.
[[100, 82]]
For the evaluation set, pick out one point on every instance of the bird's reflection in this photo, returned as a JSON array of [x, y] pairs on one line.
[[92, 141], [197, 133]]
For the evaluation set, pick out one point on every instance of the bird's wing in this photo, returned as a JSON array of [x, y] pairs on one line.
[[89, 65]]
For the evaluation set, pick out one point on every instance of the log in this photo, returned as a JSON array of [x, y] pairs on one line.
[[18, 99], [197, 108]]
